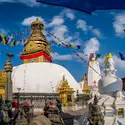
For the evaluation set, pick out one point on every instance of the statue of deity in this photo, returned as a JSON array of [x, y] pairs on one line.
[[109, 68]]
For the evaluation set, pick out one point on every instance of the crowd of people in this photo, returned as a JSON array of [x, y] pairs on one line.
[[9, 112]]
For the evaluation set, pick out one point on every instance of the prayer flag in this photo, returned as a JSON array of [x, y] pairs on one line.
[[97, 56], [3, 38], [17, 42], [73, 46], [13, 43], [78, 46], [67, 46], [0, 39], [8, 39], [121, 56]]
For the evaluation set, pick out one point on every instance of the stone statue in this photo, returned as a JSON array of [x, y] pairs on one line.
[[109, 83], [109, 68], [96, 117]]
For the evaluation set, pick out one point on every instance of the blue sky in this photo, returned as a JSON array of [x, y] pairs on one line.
[[101, 32]]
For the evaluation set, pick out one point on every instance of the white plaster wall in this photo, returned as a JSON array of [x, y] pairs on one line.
[[41, 77]]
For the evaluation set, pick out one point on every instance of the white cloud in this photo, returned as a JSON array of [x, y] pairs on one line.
[[56, 56], [91, 46], [57, 20], [81, 24], [57, 26], [119, 24], [68, 13], [119, 63], [101, 61], [30, 3], [29, 20], [60, 31], [96, 32], [2, 31]]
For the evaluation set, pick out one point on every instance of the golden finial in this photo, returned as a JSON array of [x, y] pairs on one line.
[[8, 65], [63, 77], [37, 24]]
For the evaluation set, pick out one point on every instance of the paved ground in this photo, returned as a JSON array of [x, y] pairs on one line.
[[80, 114]]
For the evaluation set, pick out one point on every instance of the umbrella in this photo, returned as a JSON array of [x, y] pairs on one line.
[[87, 6]]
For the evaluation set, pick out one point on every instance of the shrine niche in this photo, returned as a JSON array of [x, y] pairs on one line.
[[121, 112], [66, 92]]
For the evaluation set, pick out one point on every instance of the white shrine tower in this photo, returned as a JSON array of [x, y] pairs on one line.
[[93, 74]]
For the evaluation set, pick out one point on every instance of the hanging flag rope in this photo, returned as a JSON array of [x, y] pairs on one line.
[[78, 47], [24, 81], [67, 45], [73, 46], [7, 39]]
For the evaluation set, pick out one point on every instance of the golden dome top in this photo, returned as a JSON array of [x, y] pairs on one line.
[[37, 22]]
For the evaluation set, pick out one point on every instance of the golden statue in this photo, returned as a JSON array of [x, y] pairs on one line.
[[66, 92]]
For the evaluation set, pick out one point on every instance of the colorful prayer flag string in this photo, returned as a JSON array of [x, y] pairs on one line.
[[72, 51]]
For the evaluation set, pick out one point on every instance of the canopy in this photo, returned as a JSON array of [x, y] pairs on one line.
[[87, 6]]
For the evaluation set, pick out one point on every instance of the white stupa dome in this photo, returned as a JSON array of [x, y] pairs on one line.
[[41, 78], [109, 84]]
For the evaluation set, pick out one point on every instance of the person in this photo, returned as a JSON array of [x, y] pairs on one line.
[[59, 104], [46, 109]]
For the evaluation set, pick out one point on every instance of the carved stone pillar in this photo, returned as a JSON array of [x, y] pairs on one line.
[[8, 69]]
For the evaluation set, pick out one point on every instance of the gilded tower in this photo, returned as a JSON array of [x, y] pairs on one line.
[[36, 49], [2, 83], [66, 92]]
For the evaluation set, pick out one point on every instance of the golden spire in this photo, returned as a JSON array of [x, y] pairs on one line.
[[37, 48], [63, 77], [37, 23], [37, 35]]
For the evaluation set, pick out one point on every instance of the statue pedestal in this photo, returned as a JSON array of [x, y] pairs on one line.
[[110, 84]]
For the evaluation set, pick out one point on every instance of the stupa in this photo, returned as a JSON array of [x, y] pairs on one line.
[[111, 98], [92, 76], [38, 74]]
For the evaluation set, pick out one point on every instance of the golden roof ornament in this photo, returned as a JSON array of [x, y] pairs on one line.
[[37, 24], [8, 65], [63, 77], [37, 35]]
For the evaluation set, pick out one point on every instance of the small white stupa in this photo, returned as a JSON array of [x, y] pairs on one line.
[[93, 75], [110, 83], [111, 98]]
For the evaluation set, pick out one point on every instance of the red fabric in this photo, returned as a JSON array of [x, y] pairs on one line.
[[15, 105], [36, 55], [93, 87], [26, 104], [91, 56], [50, 103], [67, 46]]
